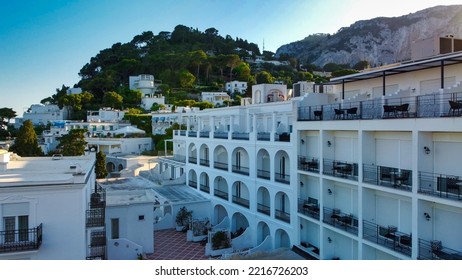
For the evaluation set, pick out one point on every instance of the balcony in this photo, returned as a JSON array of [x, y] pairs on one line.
[[263, 174], [221, 165], [192, 159], [346, 222], [262, 208], [310, 165], [204, 162], [263, 136], [95, 217], [182, 132], [97, 252], [342, 169], [221, 194], [192, 133], [434, 250], [204, 134], [21, 240], [440, 185], [205, 188], [283, 137], [282, 215], [241, 201], [282, 178], [240, 136], [241, 170], [388, 237], [192, 184], [309, 207], [220, 135], [422, 106], [389, 177]]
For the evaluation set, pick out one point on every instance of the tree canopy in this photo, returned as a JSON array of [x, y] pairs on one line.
[[100, 165], [73, 143], [26, 143]]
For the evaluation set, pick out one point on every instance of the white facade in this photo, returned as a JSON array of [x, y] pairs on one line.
[[236, 87], [216, 98], [47, 198], [301, 88], [349, 174], [266, 93], [144, 83], [41, 114], [105, 115]]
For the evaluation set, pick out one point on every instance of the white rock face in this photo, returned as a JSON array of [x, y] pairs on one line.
[[380, 41]]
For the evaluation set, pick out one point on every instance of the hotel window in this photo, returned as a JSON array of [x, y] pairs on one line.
[[15, 228], [115, 228]]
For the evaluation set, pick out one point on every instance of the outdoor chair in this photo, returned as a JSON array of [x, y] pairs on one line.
[[403, 178], [352, 112], [338, 114], [318, 115], [389, 111], [455, 108], [403, 110]]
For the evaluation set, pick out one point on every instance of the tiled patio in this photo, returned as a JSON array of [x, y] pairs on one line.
[[172, 245]]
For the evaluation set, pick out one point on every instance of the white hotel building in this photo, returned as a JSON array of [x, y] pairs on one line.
[[370, 170]]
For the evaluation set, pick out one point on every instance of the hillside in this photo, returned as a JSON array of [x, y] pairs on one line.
[[379, 41]]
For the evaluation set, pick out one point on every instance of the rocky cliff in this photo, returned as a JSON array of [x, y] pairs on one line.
[[379, 41]]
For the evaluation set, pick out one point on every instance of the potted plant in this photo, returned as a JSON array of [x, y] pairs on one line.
[[220, 240], [182, 218]]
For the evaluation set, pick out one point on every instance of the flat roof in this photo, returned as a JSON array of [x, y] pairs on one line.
[[34, 171], [132, 190], [398, 68]]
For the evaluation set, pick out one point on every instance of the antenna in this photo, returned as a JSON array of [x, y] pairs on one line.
[[263, 44]]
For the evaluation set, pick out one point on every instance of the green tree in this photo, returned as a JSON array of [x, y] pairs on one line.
[[232, 61], [100, 166], [7, 114], [264, 77], [73, 143], [361, 65], [243, 72], [26, 143], [113, 99], [186, 79]]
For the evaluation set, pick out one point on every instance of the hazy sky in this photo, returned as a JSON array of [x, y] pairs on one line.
[[45, 43]]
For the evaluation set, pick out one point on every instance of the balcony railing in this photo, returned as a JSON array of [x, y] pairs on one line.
[[263, 174], [182, 132], [440, 185], [308, 164], [192, 133], [204, 134], [263, 136], [282, 178], [241, 201], [220, 165], [434, 250], [220, 194], [192, 184], [262, 208], [205, 188], [95, 217], [204, 162], [283, 137], [97, 252], [342, 169], [335, 217], [422, 106], [388, 236], [220, 135], [98, 238], [192, 159], [241, 169], [387, 177], [309, 207], [240, 136], [21, 240], [282, 215]]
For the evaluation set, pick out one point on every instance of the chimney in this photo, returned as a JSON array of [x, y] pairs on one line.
[[4, 159]]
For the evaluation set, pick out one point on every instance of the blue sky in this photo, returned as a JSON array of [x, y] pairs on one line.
[[44, 43]]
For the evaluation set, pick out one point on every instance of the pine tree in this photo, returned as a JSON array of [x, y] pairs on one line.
[[73, 144], [26, 143], [100, 167]]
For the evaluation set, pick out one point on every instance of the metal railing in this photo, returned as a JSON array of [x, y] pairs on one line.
[[220, 165], [263, 174], [220, 135], [263, 136], [192, 133], [192, 159], [421, 106], [240, 136], [440, 185], [388, 236], [220, 194], [240, 169], [241, 201], [342, 169], [308, 164], [282, 178], [282, 215], [192, 184], [308, 208], [95, 217], [204, 162], [21, 240], [204, 188], [335, 217], [434, 250], [283, 137], [204, 134], [262, 208], [385, 176]]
